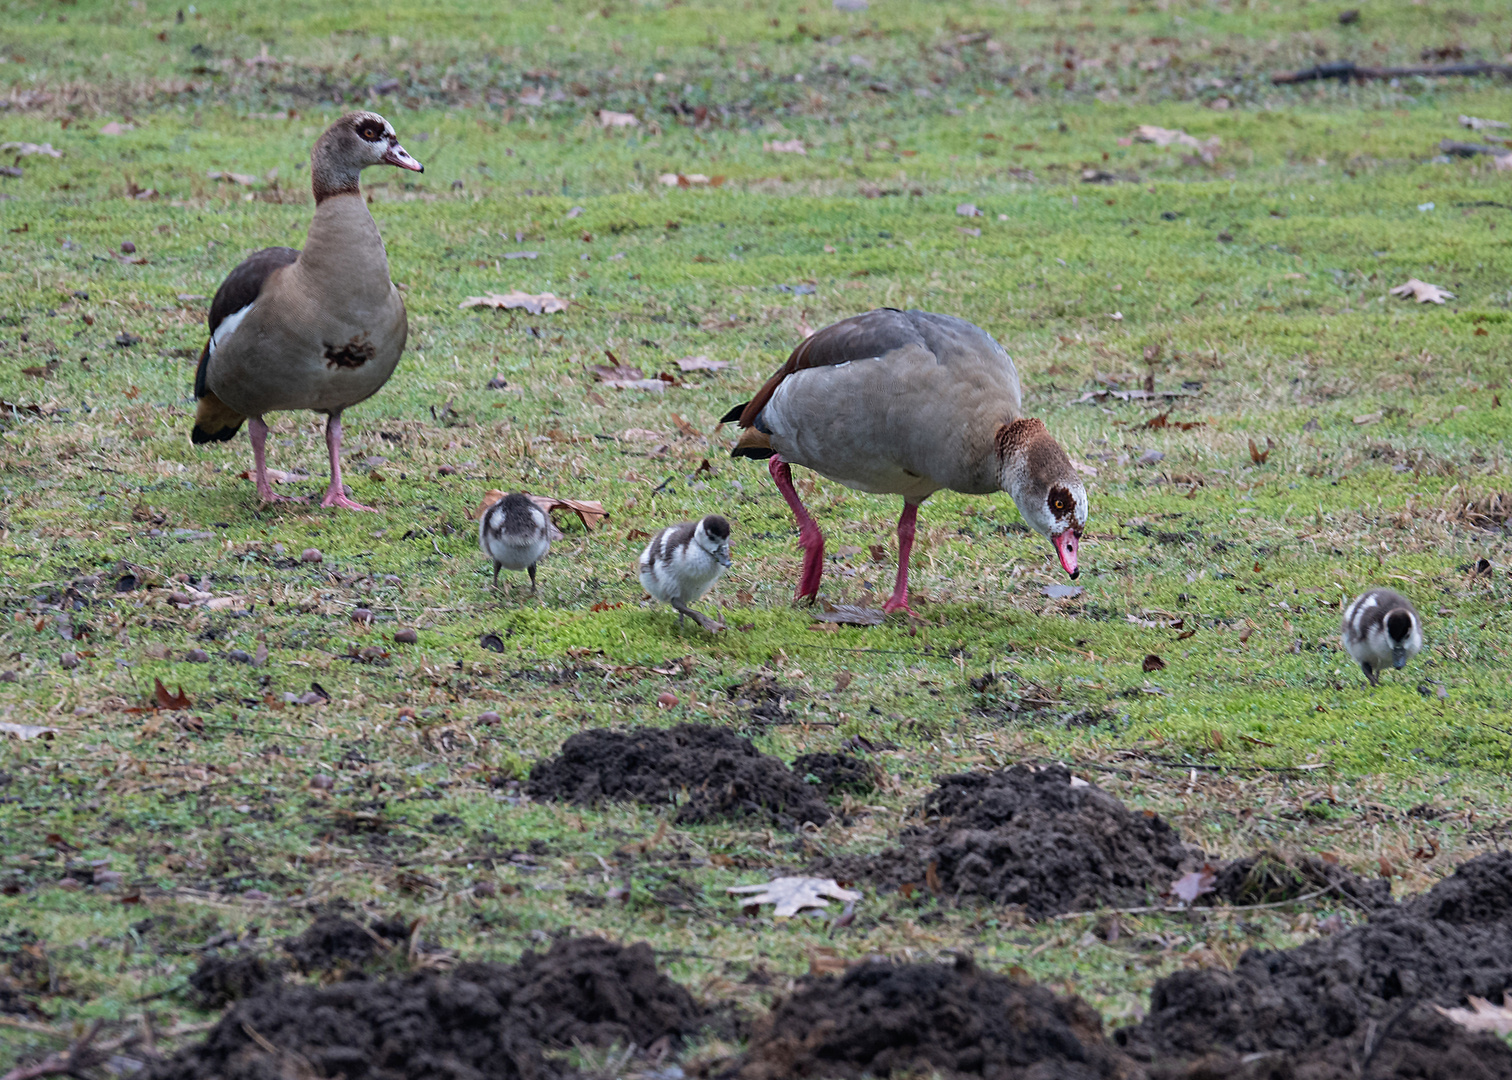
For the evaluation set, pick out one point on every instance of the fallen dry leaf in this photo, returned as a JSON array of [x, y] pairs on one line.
[[589, 512], [164, 700], [1259, 456], [850, 615], [1164, 137], [536, 304], [673, 179], [1482, 1015], [278, 476], [27, 731], [623, 377], [702, 363], [610, 119], [26, 149], [1422, 292], [1189, 887], [785, 146], [1153, 663], [233, 177], [793, 894]]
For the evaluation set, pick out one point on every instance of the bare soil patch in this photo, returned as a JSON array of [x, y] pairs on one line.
[[1357, 997], [881, 1019], [482, 1021], [708, 773], [1051, 843]]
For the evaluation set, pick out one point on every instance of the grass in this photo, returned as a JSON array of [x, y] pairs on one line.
[[1256, 286]]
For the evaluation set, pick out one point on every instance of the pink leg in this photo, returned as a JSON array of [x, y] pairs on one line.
[[335, 496], [809, 536], [899, 599], [257, 431]]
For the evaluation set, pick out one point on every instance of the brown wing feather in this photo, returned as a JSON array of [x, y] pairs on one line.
[[860, 337], [214, 422]]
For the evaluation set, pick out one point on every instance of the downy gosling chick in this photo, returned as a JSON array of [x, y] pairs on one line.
[[1381, 628], [516, 534], [682, 563]]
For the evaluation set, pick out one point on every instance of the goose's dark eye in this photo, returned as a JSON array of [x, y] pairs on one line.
[[370, 131]]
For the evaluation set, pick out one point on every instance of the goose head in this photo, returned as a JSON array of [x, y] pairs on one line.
[[351, 144], [1037, 474]]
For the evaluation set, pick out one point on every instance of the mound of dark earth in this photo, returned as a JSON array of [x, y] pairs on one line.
[[712, 774], [334, 943], [1053, 843], [1268, 877], [1032, 837], [1354, 999], [836, 774], [479, 1022], [881, 1019]]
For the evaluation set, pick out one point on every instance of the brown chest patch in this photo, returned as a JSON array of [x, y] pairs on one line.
[[356, 352]]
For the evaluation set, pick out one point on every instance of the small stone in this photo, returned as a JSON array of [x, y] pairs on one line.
[[127, 247], [666, 699], [322, 782], [311, 555], [9, 676], [107, 879], [197, 656], [490, 717], [69, 660], [406, 636], [484, 888], [256, 894], [362, 615], [70, 884], [392, 579], [239, 656]]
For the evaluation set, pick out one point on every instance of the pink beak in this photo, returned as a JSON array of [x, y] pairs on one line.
[[398, 155], [1065, 547]]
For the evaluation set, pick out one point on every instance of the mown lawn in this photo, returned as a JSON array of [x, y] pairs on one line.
[[1313, 435]]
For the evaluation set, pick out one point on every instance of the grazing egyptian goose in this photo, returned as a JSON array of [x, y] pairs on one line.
[[516, 534], [682, 563], [318, 329], [1381, 628], [909, 403]]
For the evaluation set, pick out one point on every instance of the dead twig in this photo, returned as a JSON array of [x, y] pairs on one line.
[[1184, 909], [68, 1062], [1345, 70]]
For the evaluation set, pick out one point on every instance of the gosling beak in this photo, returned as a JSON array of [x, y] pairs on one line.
[[398, 155], [1065, 547], [1399, 658], [724, 561]]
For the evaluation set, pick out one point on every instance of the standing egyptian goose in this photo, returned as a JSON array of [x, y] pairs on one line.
[[318, 329], [682, 562], [516, 534], [909, 403], [1381, 628]]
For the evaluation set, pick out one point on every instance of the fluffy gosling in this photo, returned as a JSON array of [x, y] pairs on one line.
[[682, 563], [1381, 627], [516, 534]]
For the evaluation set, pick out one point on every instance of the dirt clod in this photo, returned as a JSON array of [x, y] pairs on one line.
[[837, 773], [711, 773], [1337, 996], [881, 1019], [1268, 877], [1029, 837], [333, 943], [218, 981], [483, 1021]]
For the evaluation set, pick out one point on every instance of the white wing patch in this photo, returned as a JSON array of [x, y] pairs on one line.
[[228, 327]]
